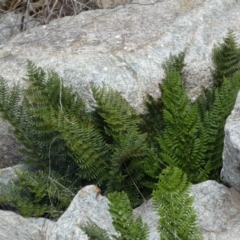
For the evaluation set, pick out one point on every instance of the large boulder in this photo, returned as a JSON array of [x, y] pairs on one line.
[[125, 47], [15, 227], [87, 205], [217, 208], [230, 173]]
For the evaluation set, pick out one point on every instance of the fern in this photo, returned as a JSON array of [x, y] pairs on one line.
[[153, 121], [94, 232], [127, 145], [216, 104], [174, 206], [104, 147], [175, 63], [183, 143], [215, 120], [38, 193], [110, 145], [86, 146], [226, 58]]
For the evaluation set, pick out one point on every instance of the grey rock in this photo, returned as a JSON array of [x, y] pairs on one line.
[[103, 4], [8, 174], [10, 25], [230, 173], [9, 154], [87, 204], [124, 47], [15, 227], [217, 209]]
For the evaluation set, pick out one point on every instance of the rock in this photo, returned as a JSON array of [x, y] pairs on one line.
[[218, 214], [87, 204], [10, 25], [7, 174], [9, 154], [15, 227], [230, 173], [124, 47], [103, 4]]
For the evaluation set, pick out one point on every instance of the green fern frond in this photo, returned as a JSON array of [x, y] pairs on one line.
[[183, 143], [226, 58], [215, 120], [118, 123], [152, 121], [115, 111], [123, 221], [174, 206], [94, 232], [39, 193], [175, 63]]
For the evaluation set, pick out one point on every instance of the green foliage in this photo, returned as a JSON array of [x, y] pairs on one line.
[[183, 143], [215, 104], [174, 206], [194, 132], [103, 147], [226, 58], [123, 220], [153, 121], [127, 148], [175, 63], [38, 194], [215, 119], [94, 232], [109, 148], [26, 116]]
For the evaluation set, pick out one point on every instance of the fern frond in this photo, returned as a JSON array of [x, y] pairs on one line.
[[115, 112], [174, 206], [183, 143], [39, 193], [215, 120], [118, 123], [175, 63], [123, 221], [94, 232], [226, 58]]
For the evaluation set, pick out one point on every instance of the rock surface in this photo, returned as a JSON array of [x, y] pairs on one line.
[[230, 173], [102, 4], [124, 47], [10, 24], [15, 227], [7, 174], [87, 204]]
